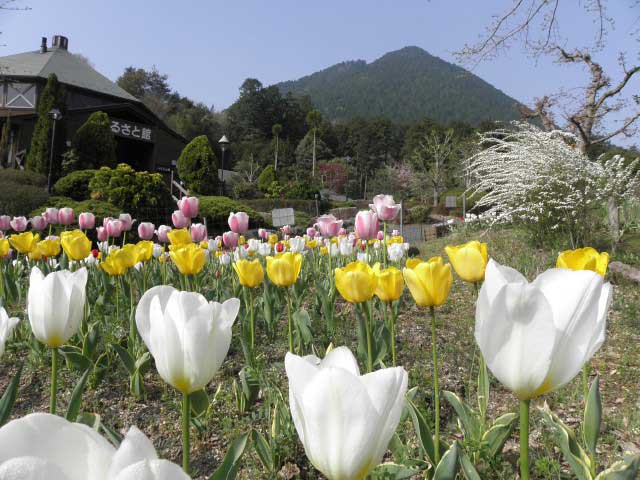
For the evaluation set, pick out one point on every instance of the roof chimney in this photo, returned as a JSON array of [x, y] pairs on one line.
[[43, 45], [60, 41]]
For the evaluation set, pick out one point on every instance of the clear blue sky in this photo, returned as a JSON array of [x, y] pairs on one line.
[[208, 47]]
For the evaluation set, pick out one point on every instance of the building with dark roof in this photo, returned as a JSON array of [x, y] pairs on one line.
[[143, 140]]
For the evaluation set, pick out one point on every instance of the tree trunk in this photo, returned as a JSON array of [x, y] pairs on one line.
[[275, 168]]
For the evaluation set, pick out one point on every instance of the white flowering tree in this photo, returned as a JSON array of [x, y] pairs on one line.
[[541, 179]]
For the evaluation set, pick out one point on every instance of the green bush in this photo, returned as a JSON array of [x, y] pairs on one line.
[[307, 206], [75, 185], [244, 190], [419, 214], [198, 167], [21, 191], [94, 143], [216, 210], [266, 178], [98, 208], [142, 194]]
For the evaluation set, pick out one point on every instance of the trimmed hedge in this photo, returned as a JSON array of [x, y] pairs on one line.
[[198, 166], [75, 185], [216, 210], [21, 191], [98, 208]]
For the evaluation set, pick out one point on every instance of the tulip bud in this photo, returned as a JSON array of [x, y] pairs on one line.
[[51, 215], [188, 206], [163, 233], [198, 232], [230, 239], [38, 223], [127, 222], [262, 233], [146, 230], [329, 225], [66, 216], [385, 207], [19, 224], [238, 222], [279, 247], [311, 232], [114, 228], [179, 220], [101, 233], [5, 223], [286, 230], [86, 221], [6, 328], [367, 224]]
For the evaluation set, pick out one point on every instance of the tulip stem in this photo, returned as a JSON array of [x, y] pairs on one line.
[[186, 421], [436, 387], [392, 328], [585, 381], [384, 246], [289, 322], [252, 320], [54, 380], [524, 439], [368, 314]]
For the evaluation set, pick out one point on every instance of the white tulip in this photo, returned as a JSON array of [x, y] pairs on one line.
[[41, 446], [55, 304], [344, 420], [158, 250], [239, 253], [346, 247], [362, 257], [264, 249], [6, 327], [187, 336], [296, 244], [395, 252], [224, 259], [535, 337]]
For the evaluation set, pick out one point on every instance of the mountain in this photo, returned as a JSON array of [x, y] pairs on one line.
[[404, 86]]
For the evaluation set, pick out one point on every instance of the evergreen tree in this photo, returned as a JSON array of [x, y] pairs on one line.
[[94, 143], [198, 167], [52, 97], [4, 142]]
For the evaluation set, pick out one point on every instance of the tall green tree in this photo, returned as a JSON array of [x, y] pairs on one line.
[[198, 167], [4, 141], [53, 96], [276, 130], [314, 118]]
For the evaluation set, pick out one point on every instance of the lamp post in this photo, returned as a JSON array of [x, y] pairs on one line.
[[223, 142], [55, 115]]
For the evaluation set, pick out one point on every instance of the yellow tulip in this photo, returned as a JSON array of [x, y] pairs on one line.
[[24, 242], [119, 261], [189, 259], [75, 244], [241, 240], [4, 247], [324, 250], [180, 237], [356, 282], [134, 254], [273, 239], [412, 262], [390, 283], [584, 259], [469, 260], [312, 244], [145, 250], [35, 254], [429, 282], [284, 268], [49, 248], [250, 273]]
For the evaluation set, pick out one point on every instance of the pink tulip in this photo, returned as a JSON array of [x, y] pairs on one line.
[[328, 225], [380, 235], [5, 222], [198, 232], [230, 239], [51, 215], [86, 221], [263, 234], [146, 230], [66, 216], [395, 233], [127, 222], [286, 230], [38, 223], [311, 232], [385, 207], [19, 224], [179, 220], [163, 233], [342, 232], [188, 206], [106, 220], [101, 232], [238, 222], [114, 228], [367, 224]]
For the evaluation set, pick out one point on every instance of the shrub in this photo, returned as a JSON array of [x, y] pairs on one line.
[[94, 143], [75, 185], [198, 167], [307, 206], [419, 214], [21, 191], [266, 178], [98, 208], [216, 210], [244, 190], [142, 194]]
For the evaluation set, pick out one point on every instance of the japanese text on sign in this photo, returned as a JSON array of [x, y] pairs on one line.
[[127, 129]]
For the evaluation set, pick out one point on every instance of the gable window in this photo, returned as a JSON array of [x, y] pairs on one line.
[[19, 95]]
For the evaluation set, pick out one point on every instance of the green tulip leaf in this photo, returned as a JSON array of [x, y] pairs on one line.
[[393, 471], [448, 466], [250, 384], [421, 428], [76, 397], [263, 450], [142, 361], [199, 402], [75, 359], [126, 359], [468, 469], [494, 439], [573, 453], [483, 388], [592, 417], [231, 462], [468, 418], [9, 397], [626, 469], [411, 395]]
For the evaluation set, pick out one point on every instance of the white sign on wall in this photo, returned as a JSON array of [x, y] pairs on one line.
[[282, 216]]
